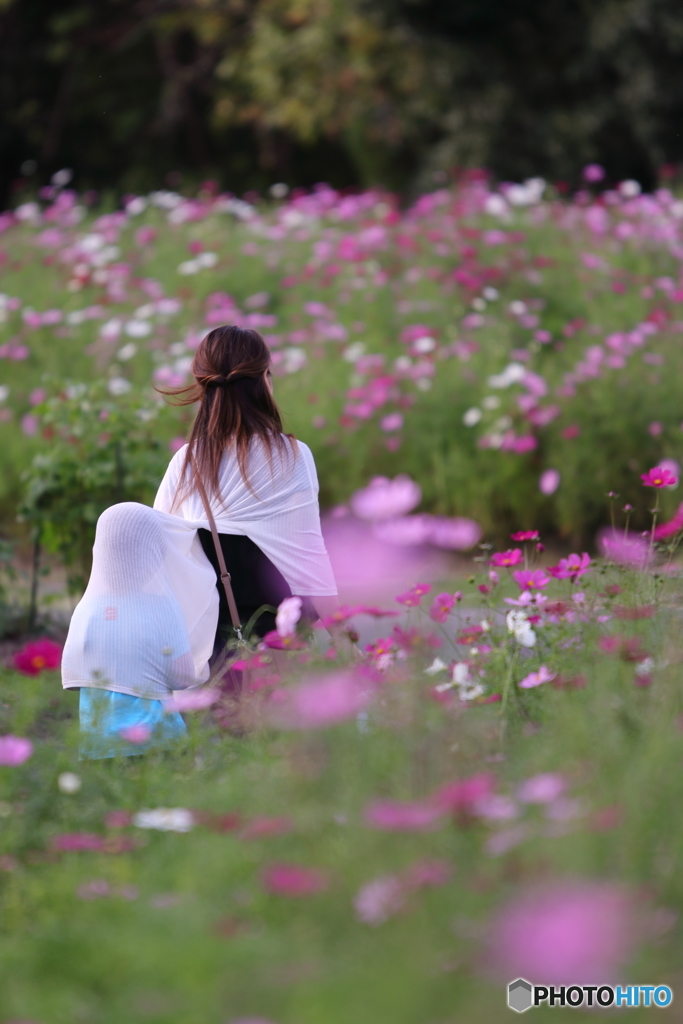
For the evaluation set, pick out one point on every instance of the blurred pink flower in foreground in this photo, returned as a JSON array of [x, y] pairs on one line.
[[626, 549], [14, 750], [574, 933], [544, 675], [288, 614], [671, 528], [451, 533], [176, 443], [394, 816], [294, 880], [385, 499], [659, 477], [136, 733], [38, 655], [549, 481], [320, 702], [193, 700]]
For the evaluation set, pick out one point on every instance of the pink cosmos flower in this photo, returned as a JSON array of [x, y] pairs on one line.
[[573, 933], [463, 796], [549, 481], [266, 827], [508, 558], [288, 614], [523, 535], [294, 880], [442, 607], [531, 579], [321, 702], [378, 900], [571, 568], [193, 700], [544, 675], [632, 549], [593, 172], [176, 443], [658, 477], [412, 597], [384, 498], [394, 816], [136, 733], [14, 750], [282, 643], [77, 841], [541, 789], [394, 421], [38, 655]]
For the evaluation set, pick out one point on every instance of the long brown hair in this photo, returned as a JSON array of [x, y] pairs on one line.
[[229, 367]]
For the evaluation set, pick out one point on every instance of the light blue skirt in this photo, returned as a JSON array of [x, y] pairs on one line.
[[104, 713]]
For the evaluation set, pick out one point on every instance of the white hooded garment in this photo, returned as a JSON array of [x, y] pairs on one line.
[[147, 621]]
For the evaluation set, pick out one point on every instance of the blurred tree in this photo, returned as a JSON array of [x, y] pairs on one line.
[[350, 91]]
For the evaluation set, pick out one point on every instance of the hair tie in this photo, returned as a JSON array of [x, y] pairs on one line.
[[232, 378]]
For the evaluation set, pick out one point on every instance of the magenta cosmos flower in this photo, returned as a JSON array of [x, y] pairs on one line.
[[412, 597], [294, 880], [394, 816], [658, 477], [571, 568], [14, 750], [525, 535], [442, 607], [505, 559], [38, 655], [531, 579], [671, 528]]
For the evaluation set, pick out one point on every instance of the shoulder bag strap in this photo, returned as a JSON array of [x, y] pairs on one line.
[[225, 575]]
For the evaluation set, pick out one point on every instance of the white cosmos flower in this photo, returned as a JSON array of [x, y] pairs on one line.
[[138, 328], [472, 417], [118, 386], [165, 819], [436, 666], [518, 625], [127, 352]]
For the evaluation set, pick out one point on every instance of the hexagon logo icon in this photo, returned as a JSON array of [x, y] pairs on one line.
[[520, 995]]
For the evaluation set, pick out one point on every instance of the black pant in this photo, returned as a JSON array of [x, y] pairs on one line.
[[255, 581]]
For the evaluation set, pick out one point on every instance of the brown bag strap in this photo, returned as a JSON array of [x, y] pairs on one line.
[[225, 575]]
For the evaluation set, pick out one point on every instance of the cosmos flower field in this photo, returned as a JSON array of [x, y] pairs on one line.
[[479, 778]]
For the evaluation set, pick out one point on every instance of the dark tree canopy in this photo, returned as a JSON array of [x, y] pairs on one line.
[[354, 92]]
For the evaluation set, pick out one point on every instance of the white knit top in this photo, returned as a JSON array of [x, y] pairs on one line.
[[278, 510]]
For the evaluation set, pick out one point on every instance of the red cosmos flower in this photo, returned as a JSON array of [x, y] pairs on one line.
[[571, 568], [38, 655], [505, 559], [523, 535], [658, 477]]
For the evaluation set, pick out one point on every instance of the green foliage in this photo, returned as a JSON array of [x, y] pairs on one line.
[[101, 451], [349, 91], [181, 928]]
